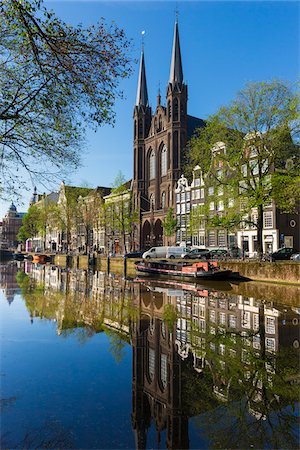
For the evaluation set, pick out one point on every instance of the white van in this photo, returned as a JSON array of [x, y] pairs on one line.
[[165, 252]]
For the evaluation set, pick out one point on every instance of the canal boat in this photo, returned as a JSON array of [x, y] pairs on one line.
[[40, 258], [203, 270]]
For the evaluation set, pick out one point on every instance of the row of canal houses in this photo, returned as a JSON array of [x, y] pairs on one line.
[[102, 231]]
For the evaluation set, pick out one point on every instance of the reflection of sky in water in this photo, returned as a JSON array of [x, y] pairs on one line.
[[75, 389]]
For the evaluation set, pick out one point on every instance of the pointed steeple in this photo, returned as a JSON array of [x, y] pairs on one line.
[[176, 74], [142, 94]]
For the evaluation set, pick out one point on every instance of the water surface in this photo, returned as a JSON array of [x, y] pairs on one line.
[[92, 361]]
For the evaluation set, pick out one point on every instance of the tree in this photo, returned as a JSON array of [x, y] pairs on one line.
[[30, 224], [39, 218], [55, 80], [120, 216], [169, 224], [254, 151]]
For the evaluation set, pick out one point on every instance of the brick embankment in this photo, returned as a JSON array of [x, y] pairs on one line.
[[278, 272], [281, 271]]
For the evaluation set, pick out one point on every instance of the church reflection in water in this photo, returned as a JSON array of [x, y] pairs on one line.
[[215, 355]]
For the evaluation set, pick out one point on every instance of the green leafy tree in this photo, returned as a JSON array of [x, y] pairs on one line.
[[30, 224], [55, 80], [120, 215], [169, 224], [254, 152]]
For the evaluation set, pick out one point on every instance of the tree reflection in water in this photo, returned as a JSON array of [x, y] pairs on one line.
[[229, 361]]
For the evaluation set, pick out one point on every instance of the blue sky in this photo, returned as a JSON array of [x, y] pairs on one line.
[[224, 45]]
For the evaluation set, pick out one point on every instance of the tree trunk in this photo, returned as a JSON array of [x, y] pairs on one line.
[[260, 232]]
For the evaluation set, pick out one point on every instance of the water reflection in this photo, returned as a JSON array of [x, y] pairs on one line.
[[210, 368]]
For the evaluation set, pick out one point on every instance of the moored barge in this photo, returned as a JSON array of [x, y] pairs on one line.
[[203, 270]]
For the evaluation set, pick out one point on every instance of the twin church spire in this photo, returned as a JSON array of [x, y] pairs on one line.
[[176, 73]]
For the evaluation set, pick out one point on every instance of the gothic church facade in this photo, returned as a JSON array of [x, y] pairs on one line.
[[160, 139]]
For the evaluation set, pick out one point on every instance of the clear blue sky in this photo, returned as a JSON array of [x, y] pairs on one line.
[[223, 44]]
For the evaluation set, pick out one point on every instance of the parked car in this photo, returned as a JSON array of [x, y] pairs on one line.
[[283, 253], [197, 253], [165, 252], [137, 254], [295, 257], [218, 253]]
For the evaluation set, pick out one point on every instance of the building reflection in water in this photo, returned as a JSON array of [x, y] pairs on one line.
[[195, 351]]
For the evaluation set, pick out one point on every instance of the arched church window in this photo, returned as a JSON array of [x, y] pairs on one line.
[[163, 200], [134, 129], [169, 111], [163, 370], [155, 125], [152, 165], [175, 110], [151, 363], [164, 161]]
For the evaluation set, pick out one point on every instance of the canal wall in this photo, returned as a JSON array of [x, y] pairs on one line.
[[280, 272]]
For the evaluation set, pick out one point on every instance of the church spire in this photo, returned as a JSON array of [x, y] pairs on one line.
[[176, 74], [142, 94]]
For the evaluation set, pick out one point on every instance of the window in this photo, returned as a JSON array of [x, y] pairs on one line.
[[197, 194], [197, 182], [152, 201], [177, 198], [164, 161], [255, 322], [211, 206], [211, 190], [212, 315], [232, 321], [221, 239], [268, 219], [169, 110], [163, 200], [202, 193], [254, 167], [193, 195], [188, 195], [188, 207], [246, 319], [222, 318], [270, 344], [270, 325], [220, 190], [182, 197], [211, 239], [151, 363], [152, 165], [230, 203], [244, 170], [221, 205], [163, 370]]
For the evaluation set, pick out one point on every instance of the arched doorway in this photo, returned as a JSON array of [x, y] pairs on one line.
[[146, 235], [158, 233]]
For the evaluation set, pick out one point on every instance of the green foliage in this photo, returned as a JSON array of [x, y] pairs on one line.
[[55, 79], [120, 215], [249, 149], [170, 315], [169, 224]]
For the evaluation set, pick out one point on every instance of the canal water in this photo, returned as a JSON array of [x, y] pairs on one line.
[[94, 361]]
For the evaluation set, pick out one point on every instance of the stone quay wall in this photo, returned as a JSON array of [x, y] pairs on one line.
[[280, 272]]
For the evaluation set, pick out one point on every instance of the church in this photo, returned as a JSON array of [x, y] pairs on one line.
[[160, 139]]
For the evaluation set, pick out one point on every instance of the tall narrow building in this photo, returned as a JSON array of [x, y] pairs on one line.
[[159, 145]]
